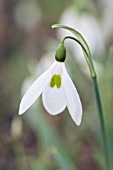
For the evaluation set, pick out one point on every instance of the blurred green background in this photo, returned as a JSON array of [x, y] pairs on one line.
[[36, 140]]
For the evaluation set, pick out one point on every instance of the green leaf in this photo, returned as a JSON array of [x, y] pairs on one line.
[[42, 127], [63, 160]]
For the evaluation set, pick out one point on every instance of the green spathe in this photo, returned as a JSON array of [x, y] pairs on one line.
[[56, 80]]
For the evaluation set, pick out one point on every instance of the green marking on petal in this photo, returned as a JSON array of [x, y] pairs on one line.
[[56, 80]]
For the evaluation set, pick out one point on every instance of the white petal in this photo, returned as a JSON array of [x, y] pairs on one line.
[[35, 90], [53, 100], [72, 98]]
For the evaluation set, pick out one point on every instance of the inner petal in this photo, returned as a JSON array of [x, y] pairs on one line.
[[53, 100], [58, 68]]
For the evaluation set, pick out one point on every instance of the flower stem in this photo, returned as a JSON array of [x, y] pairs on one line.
[[85, 48], [100, 111], [86, 52], [98, 99]]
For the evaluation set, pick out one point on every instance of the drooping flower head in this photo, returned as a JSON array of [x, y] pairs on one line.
[[57, 88]]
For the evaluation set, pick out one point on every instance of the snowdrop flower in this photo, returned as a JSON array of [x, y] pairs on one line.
[[57, 88]]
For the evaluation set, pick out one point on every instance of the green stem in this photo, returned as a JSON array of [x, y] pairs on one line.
[[99, 105], [98, 99], [82, 42], [86, 54], [75, 39]]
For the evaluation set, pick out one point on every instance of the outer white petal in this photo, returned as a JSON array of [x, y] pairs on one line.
[[72, 98], [53, 100], [35, 90]]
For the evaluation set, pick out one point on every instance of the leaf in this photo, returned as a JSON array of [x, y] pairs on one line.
[[63, 160]]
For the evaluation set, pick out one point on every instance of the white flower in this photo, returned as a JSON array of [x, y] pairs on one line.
[[58, 91]]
